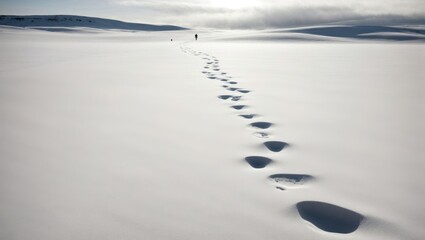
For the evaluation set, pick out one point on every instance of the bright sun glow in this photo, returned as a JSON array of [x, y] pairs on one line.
[[234, 4]]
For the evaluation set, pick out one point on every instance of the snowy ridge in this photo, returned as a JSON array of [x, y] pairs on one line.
[[64, 22], [365, 32], [333, 33]]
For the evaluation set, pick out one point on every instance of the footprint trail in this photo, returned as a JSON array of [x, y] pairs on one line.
[[325, 216]]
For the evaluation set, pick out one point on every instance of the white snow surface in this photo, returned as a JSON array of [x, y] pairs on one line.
[[121, 136]]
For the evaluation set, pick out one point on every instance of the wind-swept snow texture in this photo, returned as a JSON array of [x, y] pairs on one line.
[[337, 33], [65, 23], [127, 136], [366, 32]]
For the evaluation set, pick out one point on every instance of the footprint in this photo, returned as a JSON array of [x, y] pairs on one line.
[[236, 98], [225, 86], [225, 97], [262, 125], [329, 217], [212, 77], [290, 180], [275, 146], [216, 69], [223, 73], [239, 107], [243, 91], [224, 80], [233, 89], [258, 162], [233, 83], [248, 116], [261, 135]]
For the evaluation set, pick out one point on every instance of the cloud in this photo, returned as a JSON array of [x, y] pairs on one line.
[[278, 14], [304, 16]]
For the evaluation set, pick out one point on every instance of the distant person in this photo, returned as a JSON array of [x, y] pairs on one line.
[[196, 36]]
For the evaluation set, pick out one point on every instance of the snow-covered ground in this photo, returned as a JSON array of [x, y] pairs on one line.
[[132, 136]]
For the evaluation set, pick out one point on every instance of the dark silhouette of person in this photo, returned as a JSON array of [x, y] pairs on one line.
[[196, 36]]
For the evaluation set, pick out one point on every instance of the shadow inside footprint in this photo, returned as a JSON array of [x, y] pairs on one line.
[[262, 125], [225, 97], [233, 82], [233, 89], [248, 116], [257, 161], [236, 98], [275, 146], [329, 217], [238, 107], [212, 77], [290, 179], [243, 91]]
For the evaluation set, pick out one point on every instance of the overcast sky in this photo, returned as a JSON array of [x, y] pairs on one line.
[[232, 13]]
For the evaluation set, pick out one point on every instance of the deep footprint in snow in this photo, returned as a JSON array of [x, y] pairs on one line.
[[232, 82], [236, 98], [258, 161], [276, 146], [239, 107], [290, 180], [261, 125], [212, 77], [243, 91], [225, 97], [329, 217], [233, 89], [248, 116]]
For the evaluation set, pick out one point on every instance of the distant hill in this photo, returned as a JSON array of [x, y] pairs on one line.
[[58, 22], [365, 32], [336, 33]]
